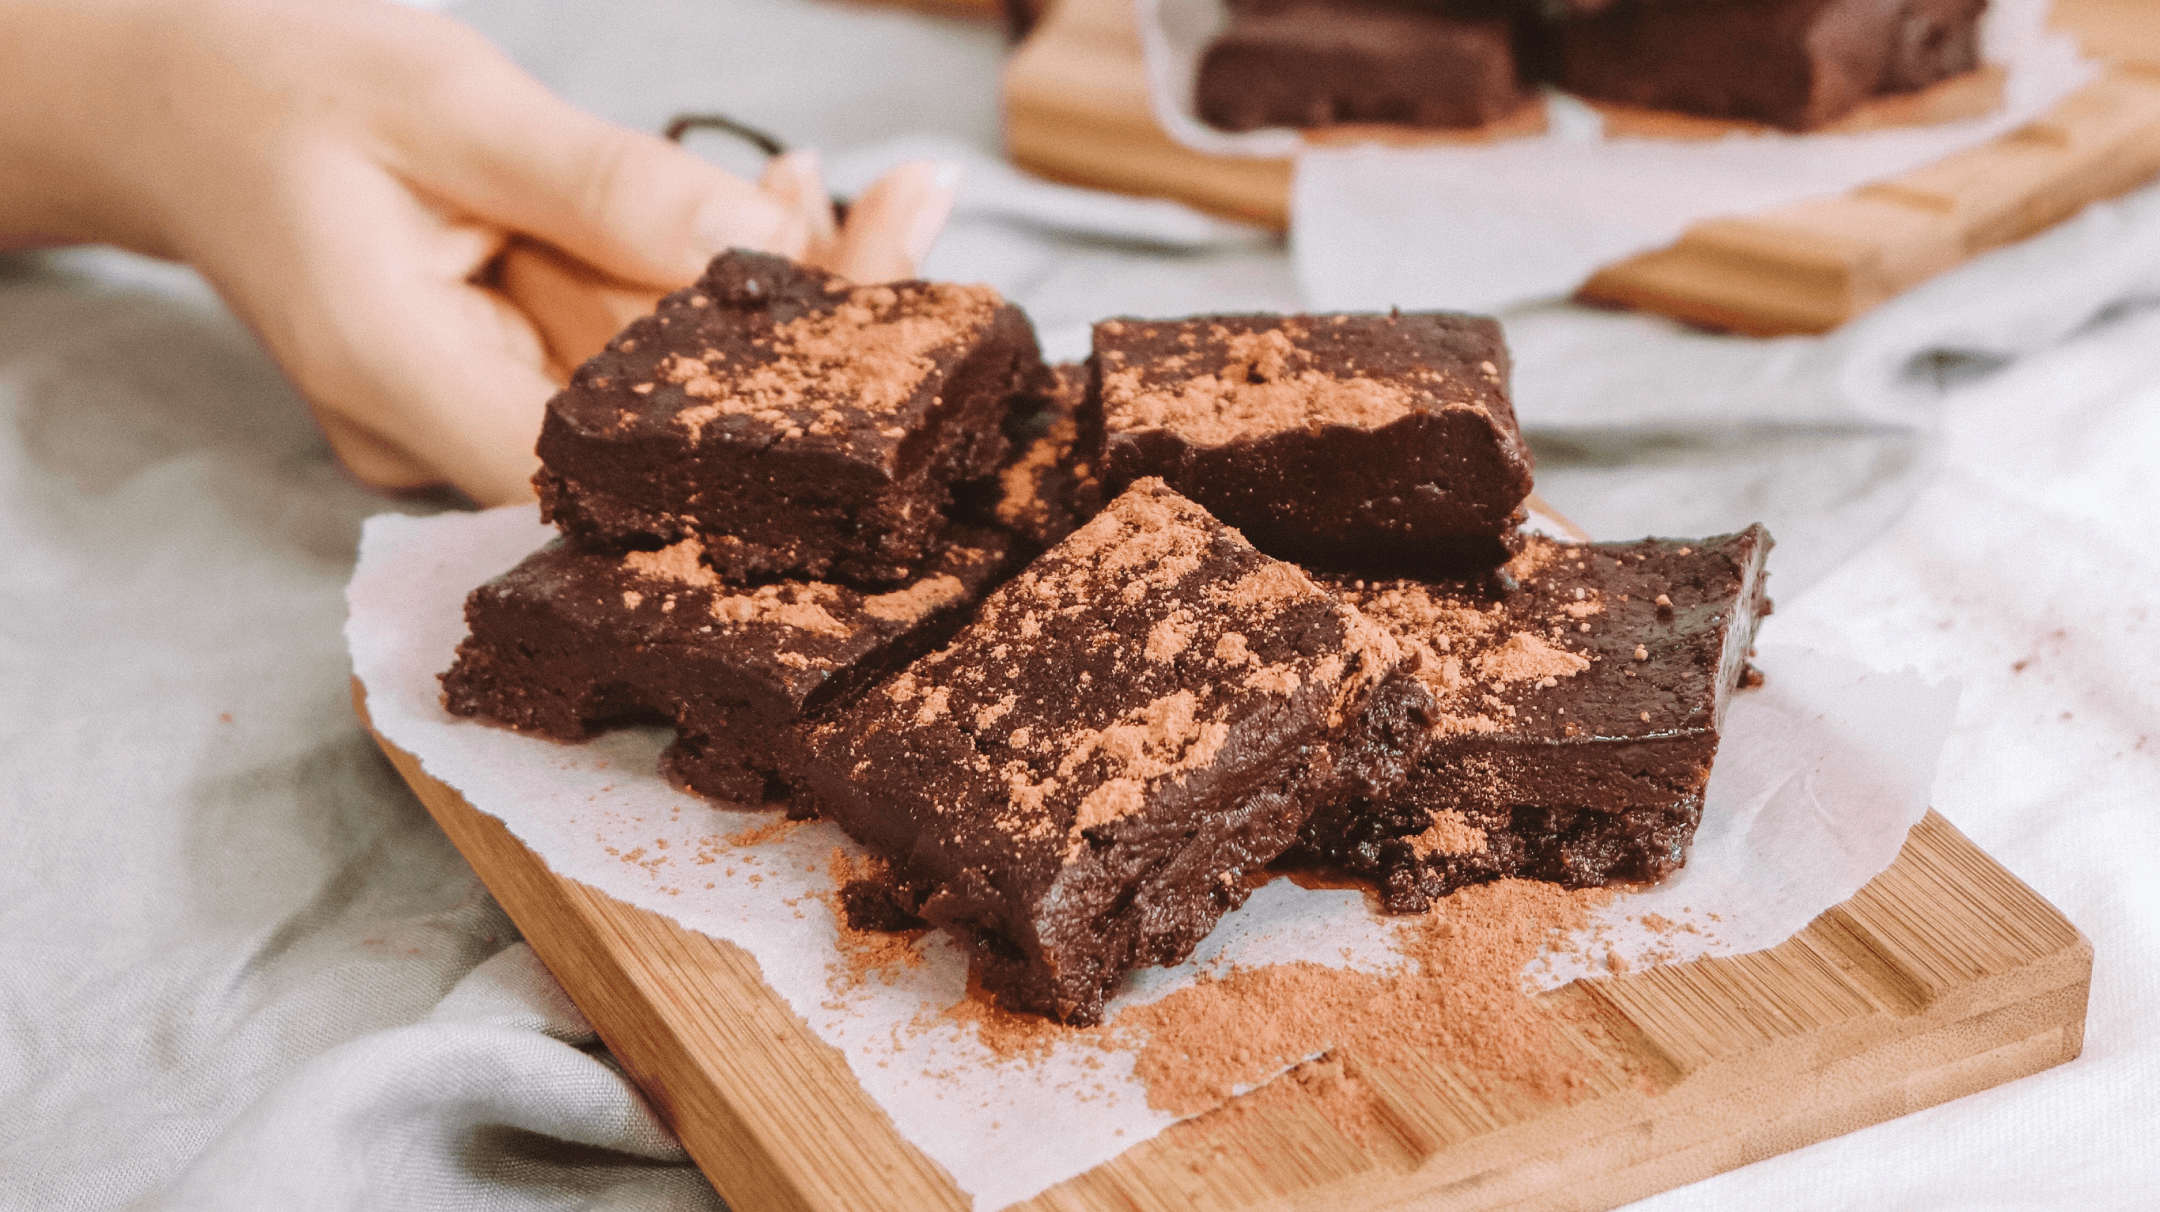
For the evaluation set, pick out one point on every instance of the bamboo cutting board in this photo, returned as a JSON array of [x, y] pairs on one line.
[[1076, 109], [1944, 976]]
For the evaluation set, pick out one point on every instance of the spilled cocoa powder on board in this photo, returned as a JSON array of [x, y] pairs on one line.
[[1246, 1040], [1011, 1034], [1456, 999]]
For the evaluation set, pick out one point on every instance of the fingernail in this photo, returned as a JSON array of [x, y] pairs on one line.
[[814, 202], [931, 212]]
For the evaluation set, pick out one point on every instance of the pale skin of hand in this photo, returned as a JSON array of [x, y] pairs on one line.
[[343, 172]]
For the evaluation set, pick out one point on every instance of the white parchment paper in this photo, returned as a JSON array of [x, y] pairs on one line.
[[1484, 226], [1821, 774]]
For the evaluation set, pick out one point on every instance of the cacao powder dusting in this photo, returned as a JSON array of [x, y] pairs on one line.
[[1456, 999], [1011, 1034], [865, 952]]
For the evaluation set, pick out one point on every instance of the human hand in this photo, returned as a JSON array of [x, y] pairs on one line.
[[344, 172], [578, 308]]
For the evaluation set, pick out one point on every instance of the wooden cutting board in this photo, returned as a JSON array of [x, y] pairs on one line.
[[1944, 976], [1076, 109]]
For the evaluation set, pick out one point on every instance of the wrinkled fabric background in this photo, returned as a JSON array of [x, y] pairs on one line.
[[241, 969]]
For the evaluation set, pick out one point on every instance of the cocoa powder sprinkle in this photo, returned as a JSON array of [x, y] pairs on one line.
[[1456, 1000]]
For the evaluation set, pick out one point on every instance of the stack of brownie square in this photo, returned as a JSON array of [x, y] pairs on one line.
[[756, 491], [854, 544], [1463, 63]]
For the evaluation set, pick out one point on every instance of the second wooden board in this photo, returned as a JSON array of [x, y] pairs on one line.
[[1076, 108]]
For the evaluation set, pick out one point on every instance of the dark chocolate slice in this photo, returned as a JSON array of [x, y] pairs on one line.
[[1377, 443], [1083, 781], [1791, 63], [1580, 696], [573, 641], [799, 425], [1314, 63], [1053, 480]]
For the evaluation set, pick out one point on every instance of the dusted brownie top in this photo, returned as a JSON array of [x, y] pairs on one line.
[[1153, 657], [763, 349], [1595, 641], [1225, 379]]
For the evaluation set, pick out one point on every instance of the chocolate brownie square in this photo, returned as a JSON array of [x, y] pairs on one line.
[[1084, 780], [1052, 482], [1364, 442], [1580, 700], [1791, 63], [572, 641], [798, 425], [1319, 62]]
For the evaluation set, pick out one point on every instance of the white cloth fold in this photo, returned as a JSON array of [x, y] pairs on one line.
[[233, 946]]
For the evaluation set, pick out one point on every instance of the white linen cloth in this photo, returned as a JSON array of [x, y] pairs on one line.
[[241, 969]]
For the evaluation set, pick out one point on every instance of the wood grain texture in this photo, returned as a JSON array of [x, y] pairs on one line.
[[1810, 266], [1942, 977], [1076, 108]]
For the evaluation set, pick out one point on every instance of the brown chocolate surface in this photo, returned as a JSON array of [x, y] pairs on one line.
[[1379, 443], [1319, 62], [572, 641], [1053, 480], [799, 425], [1578, 715], [1082, 781], [1790, 63]]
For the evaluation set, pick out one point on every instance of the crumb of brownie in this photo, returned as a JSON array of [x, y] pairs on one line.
[[865, 952], [1011, 1034]]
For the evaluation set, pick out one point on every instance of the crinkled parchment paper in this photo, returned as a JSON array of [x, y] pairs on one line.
[[1822, 772]]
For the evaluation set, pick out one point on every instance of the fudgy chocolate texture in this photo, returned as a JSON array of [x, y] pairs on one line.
[[1319, 62], [1082, 781], [1374, 443], [1579, 714], [798, 425], [572, 641], [1052, 482], [1790, 63]]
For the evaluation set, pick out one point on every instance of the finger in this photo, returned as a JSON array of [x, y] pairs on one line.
[[891, 226], [463, 402], [575, 308], [417, 375], [373, 459], [794, 180], [633, 205]]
